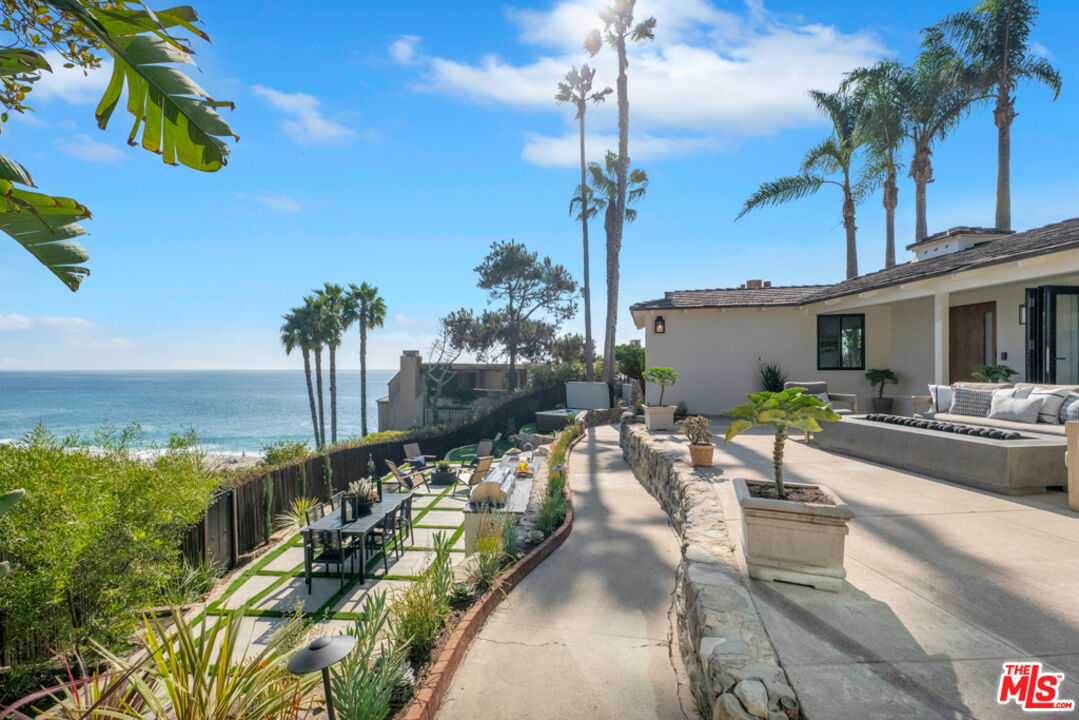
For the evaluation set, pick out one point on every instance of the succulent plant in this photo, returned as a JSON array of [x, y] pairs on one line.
[[696, 429]]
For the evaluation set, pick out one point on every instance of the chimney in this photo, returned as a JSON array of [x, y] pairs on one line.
[[767, 283], [753, 284], [742, 286]]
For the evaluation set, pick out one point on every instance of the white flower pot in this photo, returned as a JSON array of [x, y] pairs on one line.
[[794, 541], [659, 417]]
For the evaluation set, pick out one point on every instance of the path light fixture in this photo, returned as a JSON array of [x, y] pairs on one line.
[[659, 326], [320, 655], [560, 469]]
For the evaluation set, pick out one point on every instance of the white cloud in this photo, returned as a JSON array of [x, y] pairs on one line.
[[708, 71], [14, 321], [307, 126], [565, 151], [11, 363], [86, 148], [413, 322], [69, 324], [73, 85], [281, 203], [405, 51]]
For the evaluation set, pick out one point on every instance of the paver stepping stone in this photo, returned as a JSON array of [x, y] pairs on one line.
[[354, 600], [442, 517], [286, 561], [251, 587], [425, 537], [286, 596]]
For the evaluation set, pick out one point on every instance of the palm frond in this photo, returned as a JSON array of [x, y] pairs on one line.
[[1039, 69], [826, 155], [785, 189]]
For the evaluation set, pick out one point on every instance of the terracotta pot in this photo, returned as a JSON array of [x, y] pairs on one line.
[[701, 454]]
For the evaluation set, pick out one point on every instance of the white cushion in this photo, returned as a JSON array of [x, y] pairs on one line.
[[824, 398], [942, 398], [1069, 409], [1007, 407], [1053, 398]]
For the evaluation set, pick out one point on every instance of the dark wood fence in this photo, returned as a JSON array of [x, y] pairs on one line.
[[240, 517]]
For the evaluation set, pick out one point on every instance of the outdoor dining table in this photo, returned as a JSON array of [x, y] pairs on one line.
[[358, 528]]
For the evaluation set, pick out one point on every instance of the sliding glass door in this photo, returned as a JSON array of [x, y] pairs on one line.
[[1053, 334]]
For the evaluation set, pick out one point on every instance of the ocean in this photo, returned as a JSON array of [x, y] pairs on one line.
[[232, 411]]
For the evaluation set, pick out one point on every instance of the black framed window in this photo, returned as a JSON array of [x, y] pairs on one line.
[[841, 342]]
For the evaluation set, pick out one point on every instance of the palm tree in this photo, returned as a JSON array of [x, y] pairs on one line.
[[603, 194], [577, 89], [884, 130], [338, 320], [293, 336], [617, 28], [316, 330], [370, 312], [994, 42], [936, 98], [833, 156]]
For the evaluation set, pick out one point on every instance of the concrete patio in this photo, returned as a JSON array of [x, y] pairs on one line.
[[944, 585]]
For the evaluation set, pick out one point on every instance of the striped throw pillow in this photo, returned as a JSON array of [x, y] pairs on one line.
[[967, 401], [1069, 409]]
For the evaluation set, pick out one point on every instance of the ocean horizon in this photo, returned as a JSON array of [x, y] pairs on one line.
[[232, 411]]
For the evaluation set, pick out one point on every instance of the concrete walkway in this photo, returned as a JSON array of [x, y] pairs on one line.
[[588, 632], [944, 585]]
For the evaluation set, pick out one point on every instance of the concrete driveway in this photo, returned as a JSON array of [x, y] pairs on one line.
[[944, 585]]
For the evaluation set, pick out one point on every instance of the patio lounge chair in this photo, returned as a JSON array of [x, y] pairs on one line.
[[486, 447], [820, 387], [406, 481], [416, 459], [483, 466]]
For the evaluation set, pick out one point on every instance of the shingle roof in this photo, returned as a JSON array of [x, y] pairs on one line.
[[1030, 243], [731, 297], [960, 230]]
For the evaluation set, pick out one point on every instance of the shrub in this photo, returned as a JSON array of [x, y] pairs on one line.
[[282, 452], [365, 680], [490, 558], [95, 537], [551, 513], [681, 409], [696, 429], [421, 608], [662, 376], [772, 376], [296, 515], [192, 583]]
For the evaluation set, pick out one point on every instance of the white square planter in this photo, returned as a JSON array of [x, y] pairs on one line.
[[792, 541], [659, 417]]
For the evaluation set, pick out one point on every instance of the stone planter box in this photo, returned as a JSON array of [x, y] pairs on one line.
[[659, 417], [792, 541]]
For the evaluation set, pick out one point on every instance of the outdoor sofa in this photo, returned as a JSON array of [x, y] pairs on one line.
[[1060, 404]]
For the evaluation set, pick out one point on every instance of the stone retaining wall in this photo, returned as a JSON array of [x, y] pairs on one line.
[[733, 670], [592, 418]]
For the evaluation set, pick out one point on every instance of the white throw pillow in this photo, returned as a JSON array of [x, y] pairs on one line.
[[1023, 410], [942, 398], [1069, 409], [1053, 399], [824, 398]]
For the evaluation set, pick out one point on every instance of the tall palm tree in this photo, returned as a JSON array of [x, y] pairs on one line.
[[316, 330], [603, 193], [994, 42], [618, 27], [338, 320], [370, 310], [577, 89], [293, 335], [884, 130], [936, 98], [833, 156]]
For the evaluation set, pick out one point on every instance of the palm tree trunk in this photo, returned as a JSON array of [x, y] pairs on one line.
[[363, 370], [614, 236], [777, 460], [333, 394], [321, 412], [589, 373], [891, 200], [1003, 115], [310, 392], [921, 170], [849, 226]]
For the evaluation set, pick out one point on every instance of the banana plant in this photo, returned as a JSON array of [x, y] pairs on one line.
[[177, 119], [780, 411], [7, 501]]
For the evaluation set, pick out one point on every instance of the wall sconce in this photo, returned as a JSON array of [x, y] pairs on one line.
[[659, 327], [1023, 314]]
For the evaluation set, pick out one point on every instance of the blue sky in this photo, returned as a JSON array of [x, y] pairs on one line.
[[392, 143]]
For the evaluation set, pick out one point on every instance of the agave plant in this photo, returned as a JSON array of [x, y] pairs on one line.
[[780, 411], [296, 515]]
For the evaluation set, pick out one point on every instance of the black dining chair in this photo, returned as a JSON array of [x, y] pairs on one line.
[[405, 520], [382, 535], [335, 500], [330, 549]]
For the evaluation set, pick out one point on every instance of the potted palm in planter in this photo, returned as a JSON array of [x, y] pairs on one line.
[[881, 377], [700, 440], [790, 531], [660, 416]]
